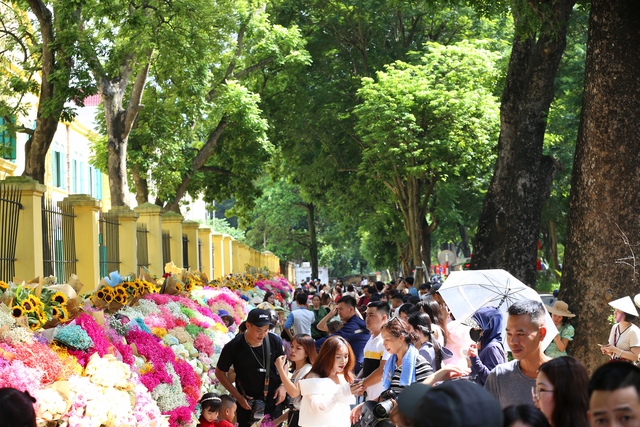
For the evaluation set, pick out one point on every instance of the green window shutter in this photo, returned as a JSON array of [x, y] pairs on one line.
[[55, 156], [98, 181]]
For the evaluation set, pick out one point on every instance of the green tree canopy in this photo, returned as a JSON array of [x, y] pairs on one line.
[[425, 124]]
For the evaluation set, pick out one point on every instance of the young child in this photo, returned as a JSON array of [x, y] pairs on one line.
[[227, 411], [210, 406]]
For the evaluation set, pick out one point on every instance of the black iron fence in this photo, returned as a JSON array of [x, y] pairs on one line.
[[166, 248], [199, 254], [58, 240], [10, 207], [109, 244], [185, 251], [142, 246]]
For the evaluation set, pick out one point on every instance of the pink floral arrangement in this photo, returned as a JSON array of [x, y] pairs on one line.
[[277, 284]]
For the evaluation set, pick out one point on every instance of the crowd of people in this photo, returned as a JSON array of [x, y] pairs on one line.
[[392, 355]]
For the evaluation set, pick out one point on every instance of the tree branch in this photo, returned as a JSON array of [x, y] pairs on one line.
[[215, 170], [136, 94], [254, 67]]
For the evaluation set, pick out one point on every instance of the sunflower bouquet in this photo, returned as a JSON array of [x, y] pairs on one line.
[[35, 306], [112, 296]]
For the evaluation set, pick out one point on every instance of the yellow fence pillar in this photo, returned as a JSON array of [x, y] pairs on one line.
[[150, 218], [172, 222], [236, 267], [127, 238], [244, 255], [86, 229], [227, 247], [208, 252], [29, 261], [218, 255], [190, 228]]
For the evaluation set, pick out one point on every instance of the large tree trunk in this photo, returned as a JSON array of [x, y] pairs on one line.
[[413, 196], [142, 185], [119, 120], [50, 103], [313, 238], [603, 230], [510, 219]]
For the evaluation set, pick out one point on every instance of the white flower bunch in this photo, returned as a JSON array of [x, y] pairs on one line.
[[108, 372], [50, 404]]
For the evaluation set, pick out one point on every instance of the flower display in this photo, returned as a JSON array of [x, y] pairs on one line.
[[130, 356], [39, 305]]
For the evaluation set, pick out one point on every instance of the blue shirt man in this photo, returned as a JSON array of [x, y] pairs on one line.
[[353, 328]]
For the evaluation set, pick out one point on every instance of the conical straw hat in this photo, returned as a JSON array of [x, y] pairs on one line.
[[624, 304]]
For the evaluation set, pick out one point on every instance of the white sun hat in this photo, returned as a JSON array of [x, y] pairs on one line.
[[624, 304]]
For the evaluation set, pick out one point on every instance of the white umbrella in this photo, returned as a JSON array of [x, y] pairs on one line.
[[467, 291]]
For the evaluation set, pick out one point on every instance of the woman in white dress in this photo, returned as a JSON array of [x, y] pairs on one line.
[[327, 391], [624, 339]]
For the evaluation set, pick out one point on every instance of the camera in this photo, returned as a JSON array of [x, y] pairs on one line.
[[376, 414], [257, 409]]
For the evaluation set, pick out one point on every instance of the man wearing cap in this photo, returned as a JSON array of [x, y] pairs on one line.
[[251, 358], [559, 314], [511, 382], [624, 339]]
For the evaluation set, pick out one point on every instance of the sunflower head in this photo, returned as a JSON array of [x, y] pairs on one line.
[[27, 305], [17, 311], [108, 297], [64, 314], [59, 297], [55, 311], [34, 325], [3, 286], [100, 294], [119, 290], [42, 316]]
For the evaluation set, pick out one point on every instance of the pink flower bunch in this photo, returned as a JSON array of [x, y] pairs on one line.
[[20, 376], [156, 354], [189, 380], [204, 344], [101, 344], [278, 285], [37, 356]]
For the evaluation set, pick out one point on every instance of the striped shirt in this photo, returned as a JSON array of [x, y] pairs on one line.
[[423, 370]]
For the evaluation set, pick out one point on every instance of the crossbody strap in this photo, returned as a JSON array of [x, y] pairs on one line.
[[267, 366]]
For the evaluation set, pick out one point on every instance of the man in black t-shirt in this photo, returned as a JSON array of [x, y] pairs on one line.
[[248, 355]]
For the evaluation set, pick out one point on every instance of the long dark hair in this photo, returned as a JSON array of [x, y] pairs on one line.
[[570, 391], [326, 359], [16, 408], [308, 344], [437, 316], [421, 322]]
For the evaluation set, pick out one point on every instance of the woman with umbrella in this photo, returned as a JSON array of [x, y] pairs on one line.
[[559, 314], [624, 339], [489, 350]]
